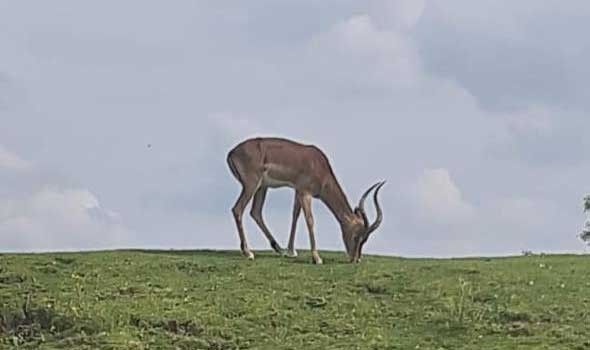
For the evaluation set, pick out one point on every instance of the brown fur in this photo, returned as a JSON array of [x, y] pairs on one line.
[[262, 163]]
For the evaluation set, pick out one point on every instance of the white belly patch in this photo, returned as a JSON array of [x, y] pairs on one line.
[[274, 183]]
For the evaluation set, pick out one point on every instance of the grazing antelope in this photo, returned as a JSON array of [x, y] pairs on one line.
[[263, 163]]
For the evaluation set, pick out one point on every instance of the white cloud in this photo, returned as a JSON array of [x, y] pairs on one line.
[[54, 219], [439, 200], [403, 13], [509, 55], [534, 119], [10, 161], [361, 34], [501, 224], [48, 216], [360, 50], [540, 136]]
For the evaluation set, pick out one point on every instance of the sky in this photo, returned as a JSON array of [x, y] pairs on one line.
[[474, 112]]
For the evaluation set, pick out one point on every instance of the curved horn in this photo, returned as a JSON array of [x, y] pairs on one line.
[[379, 218], [361, 205]]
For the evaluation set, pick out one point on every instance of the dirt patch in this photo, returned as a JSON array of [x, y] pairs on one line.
[[191, 268], [174, 326], [508, 316], [64, 261], [373, 288]]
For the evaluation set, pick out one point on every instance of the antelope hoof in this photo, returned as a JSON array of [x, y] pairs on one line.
[[292, 253], [248, 254], [316, 259], [277, 248]]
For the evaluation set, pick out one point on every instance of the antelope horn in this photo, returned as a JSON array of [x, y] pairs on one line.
[[379, 218], [377, 222], [361, 205]]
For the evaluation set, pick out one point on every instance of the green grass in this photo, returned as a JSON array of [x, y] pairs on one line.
[[219, 300]]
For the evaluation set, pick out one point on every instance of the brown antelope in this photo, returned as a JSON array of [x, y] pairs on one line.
[[261, 163]]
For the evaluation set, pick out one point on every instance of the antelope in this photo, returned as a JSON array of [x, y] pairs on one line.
[[263, 163]]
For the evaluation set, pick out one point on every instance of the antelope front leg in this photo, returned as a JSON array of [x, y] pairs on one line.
[[291, 252], [237, 211], [256, 214], [306, 205]]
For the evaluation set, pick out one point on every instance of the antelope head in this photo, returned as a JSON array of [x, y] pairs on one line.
[[357, 231]]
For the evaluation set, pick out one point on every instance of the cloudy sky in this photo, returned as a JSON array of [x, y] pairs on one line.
[[473, 111]]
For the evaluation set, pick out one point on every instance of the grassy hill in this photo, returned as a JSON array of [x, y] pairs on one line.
[[218, 300]]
